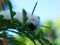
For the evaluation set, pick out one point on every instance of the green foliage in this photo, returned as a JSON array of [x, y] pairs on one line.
[[57, 41], [48, 23], [14, 41], [23, 30], [1, 17], [24, 16]]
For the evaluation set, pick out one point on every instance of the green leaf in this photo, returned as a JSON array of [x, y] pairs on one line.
[[1, 16], [25, 18], [39, 33]]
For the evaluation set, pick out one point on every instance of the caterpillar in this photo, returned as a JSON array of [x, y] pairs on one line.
[[33, 20]]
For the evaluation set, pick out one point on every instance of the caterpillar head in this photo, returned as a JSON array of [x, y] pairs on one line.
[[33, 20]]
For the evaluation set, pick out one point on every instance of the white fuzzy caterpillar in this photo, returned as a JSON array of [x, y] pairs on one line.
[[32, 19]]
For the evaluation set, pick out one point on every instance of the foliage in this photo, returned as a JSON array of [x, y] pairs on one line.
[[23, 30]]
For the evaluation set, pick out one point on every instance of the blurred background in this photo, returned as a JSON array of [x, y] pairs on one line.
[[49, 13], [46, 9]]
